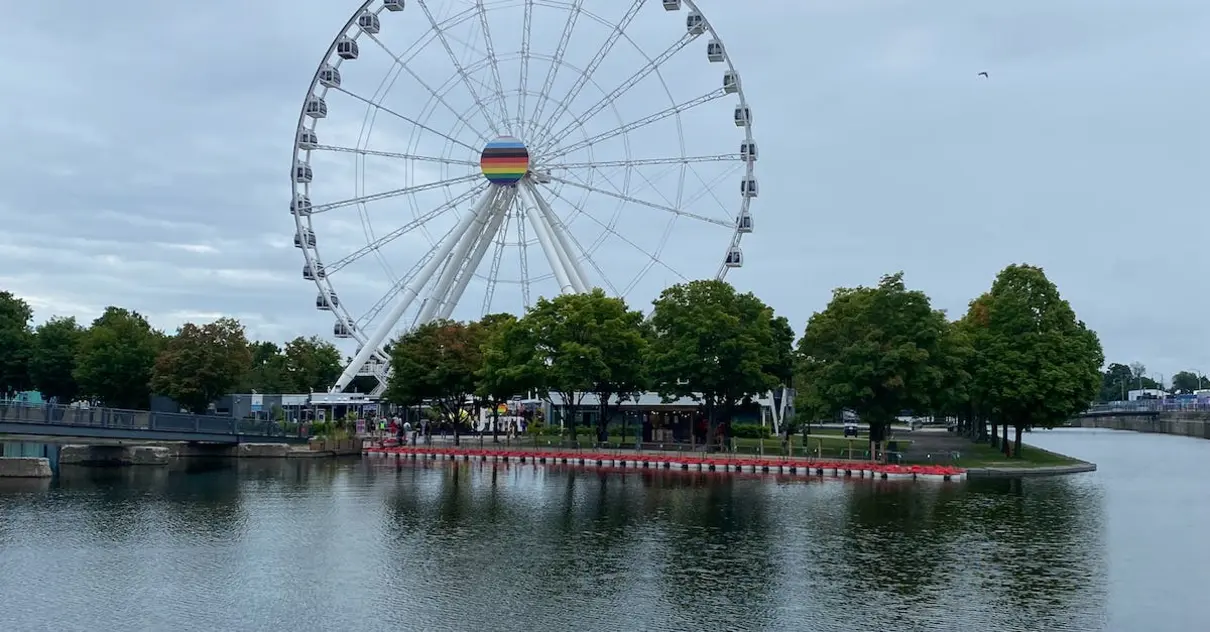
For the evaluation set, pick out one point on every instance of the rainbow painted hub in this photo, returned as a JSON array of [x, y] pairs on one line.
[[504, 161]]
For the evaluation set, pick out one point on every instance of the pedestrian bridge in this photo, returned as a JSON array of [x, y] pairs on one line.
[[69, 422]]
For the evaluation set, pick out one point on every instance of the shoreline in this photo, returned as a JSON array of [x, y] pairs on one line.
[[1030, 472], [680, 461]]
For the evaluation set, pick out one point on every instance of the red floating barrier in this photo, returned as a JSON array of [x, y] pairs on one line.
[[712, 462]]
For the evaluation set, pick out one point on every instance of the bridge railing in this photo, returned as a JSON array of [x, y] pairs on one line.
[[1151, 405], [135, 420]]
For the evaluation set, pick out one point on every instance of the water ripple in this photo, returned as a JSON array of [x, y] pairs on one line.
[[381, 545]]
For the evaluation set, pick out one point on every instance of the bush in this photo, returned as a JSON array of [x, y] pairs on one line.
[[751, 431]]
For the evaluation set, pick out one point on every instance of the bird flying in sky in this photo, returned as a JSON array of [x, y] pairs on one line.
[[983, 74]]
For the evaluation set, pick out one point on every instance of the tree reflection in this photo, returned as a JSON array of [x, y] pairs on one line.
[[1004, 548], [898, 535], [1046, 550], [716, 555]]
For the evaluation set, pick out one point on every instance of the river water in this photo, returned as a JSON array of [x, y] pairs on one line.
[[375, 545]]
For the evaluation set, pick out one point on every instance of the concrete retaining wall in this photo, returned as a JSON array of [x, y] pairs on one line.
[[262, 450], [162, 454], [1185, 424], [24, 467], [115, 455]]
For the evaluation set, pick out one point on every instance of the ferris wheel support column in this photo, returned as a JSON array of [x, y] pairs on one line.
[[553, 255], [503, 202], [468, 226], [449, 274], [559, 230]]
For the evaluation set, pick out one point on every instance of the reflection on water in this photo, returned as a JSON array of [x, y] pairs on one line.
[[383, 545]]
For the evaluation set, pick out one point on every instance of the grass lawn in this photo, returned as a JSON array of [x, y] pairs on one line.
[[976, 455], [827, 444]]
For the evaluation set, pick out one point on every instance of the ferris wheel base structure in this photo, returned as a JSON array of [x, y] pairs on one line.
[[513, 160]]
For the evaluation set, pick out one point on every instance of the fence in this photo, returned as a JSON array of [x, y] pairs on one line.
[[140, 420], [1151, 405]]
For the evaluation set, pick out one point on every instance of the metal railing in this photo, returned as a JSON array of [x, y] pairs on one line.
[[140, 420], [1151, 405]]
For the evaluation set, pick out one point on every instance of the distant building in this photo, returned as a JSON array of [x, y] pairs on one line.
[[1146, 393]]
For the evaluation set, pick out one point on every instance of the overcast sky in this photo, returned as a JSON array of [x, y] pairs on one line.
[[148, 146]]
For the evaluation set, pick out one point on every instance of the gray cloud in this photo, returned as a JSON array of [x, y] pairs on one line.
[[148, 145]]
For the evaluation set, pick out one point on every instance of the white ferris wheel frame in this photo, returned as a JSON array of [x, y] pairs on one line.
[[469, 240]]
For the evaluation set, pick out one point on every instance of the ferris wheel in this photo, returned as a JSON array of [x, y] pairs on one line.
[[455, 158]]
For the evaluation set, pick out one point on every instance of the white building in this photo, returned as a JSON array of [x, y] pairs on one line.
[[1146, 393]]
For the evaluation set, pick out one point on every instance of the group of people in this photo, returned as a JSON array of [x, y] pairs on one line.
[[401, 429], [406, 433]]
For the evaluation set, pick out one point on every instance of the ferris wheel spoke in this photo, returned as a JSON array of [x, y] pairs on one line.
[[391, 154], [458, 68], [407, 119], [642, 162], [484, 242], [375, 197], [623, 88], [566, 234], [706, 188], [522, 250], [633, 200], [399, 60], [526, 31], [452, 248], [378, 243], [653, 259], [493, 275], [491, 55], [364, 321], [650, 119], [556, 62], [586, 76], [560, 239]]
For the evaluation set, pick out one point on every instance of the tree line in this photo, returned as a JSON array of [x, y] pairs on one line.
[[703, 340], [1119, 379], [1017, 359], [120, 360]]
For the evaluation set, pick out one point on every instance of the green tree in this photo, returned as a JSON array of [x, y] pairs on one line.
[[269, 372], [716, 346], [974, 326], [877, 351], [16, 344], [782, 362], [1116, 382], [585, 343], [312, 364], [200, 364], [436, 363], [956, 397], [1038, 364], [53, 361], [495, 382], [782, 365], [117, 354], [1188, 382]]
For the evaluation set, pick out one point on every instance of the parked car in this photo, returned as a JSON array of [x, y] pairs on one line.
[[850, 429]]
